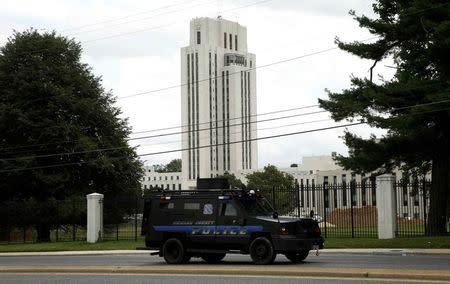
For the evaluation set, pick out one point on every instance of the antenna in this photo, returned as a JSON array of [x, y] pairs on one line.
[[219, 9]]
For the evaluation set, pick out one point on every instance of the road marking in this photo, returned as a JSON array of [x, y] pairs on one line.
[[238, 276]]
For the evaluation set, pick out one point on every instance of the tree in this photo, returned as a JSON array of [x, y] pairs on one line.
[[233, 180], [413, 106], [272, 181], [60, 133], [173, 166]]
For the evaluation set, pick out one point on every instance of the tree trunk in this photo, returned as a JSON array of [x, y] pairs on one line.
[[439, 193], [43, 233]]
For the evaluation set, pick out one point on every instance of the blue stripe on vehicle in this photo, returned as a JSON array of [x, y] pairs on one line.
[[249, 229]]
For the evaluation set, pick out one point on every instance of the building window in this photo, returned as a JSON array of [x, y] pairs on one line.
[[160, 178], [178, 177], [225, 40], [198, 37], [231, 41], [173, 186], [165, 177], [179, 186], [235, 42], [171, 177]]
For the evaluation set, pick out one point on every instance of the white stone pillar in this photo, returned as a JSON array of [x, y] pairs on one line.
[[386, 208], [94, 217]]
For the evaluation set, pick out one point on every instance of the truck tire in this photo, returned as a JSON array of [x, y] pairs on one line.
[[213, 257], [262, 251], [298, 256], [174, 252]]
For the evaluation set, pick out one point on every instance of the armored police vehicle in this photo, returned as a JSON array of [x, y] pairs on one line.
[[213, 220]]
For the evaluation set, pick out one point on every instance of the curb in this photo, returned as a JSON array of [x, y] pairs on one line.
[[438, 275], [403, 252]]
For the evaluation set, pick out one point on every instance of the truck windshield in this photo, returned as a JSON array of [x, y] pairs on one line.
[[258, 207]]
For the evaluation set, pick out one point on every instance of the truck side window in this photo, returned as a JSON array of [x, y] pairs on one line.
[[191, 206], [228, 209]]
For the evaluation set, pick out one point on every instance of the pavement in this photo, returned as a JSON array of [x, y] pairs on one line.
[[239, 269], [376, 251]]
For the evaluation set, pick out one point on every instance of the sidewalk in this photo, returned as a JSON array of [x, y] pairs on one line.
[[378, 251]]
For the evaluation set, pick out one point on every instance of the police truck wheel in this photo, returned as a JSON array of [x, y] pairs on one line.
[[174, 252], [212, 257], [297, 257], [261, 251]]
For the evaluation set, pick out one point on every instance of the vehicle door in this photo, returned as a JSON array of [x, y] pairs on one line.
[[204, 212], [231, 230]]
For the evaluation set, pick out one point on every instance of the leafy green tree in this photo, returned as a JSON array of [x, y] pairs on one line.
[[173, 166], [233, 180], [275, 186], [55, 119], [413, 106]]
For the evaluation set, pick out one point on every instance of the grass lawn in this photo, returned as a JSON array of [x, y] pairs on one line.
[[416, 242]]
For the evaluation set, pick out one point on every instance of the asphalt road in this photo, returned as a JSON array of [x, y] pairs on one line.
[[390, 261], [184, 279]]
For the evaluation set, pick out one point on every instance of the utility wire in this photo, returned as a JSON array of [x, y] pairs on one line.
[[252, 139], [126, 17], [234, 118], [224, 126], [197, 147], [160, 129], [207, 146], [153, 136]]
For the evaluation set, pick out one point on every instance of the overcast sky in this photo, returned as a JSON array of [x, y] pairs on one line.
[[135, 47]]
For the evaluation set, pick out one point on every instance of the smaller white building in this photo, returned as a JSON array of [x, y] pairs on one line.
[[167, 181]]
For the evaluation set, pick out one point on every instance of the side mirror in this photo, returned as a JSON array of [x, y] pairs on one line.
[[275, 215]]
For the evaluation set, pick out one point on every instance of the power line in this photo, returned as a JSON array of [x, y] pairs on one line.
[[221, 144], [197, 147], [126, 17], [160, 129], [166, 25], [224, 126], [148, 137], [239, 117], [240, 131]]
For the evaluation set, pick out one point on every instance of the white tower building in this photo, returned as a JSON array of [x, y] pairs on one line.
[[218, 101]]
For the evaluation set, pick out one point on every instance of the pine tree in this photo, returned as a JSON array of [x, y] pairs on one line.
[[416, 35]]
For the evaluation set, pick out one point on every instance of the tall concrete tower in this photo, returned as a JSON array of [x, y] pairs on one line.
[[218, 101]]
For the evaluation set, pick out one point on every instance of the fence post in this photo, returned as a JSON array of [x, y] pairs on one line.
[[273, 197], [386, 208], [94, 217], [352, 189], [297, 188], [424, 194], [135, 218], [325, 193]]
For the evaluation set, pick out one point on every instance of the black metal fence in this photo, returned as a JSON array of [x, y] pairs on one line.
[[347, 210], [63, 220], [350, 209], [342, 210]]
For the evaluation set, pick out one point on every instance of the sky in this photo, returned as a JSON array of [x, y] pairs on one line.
[[135, 47]]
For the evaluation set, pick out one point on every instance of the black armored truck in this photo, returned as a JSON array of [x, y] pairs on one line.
[[213, 220]]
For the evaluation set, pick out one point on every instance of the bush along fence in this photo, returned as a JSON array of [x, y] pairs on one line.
[[347, 210]]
